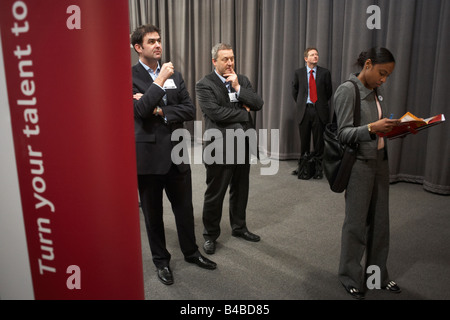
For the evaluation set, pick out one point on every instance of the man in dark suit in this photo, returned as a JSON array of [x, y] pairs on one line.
[[161, 105], [312, 106], [226, 99]]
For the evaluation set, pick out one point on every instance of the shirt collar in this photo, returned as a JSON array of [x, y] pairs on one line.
[[220, 77], [309, 69], [364, 92], [146, 67]]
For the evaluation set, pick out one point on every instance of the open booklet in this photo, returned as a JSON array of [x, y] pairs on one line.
[[409, 123]]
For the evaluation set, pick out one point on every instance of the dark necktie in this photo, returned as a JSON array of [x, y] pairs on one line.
[[312, 88], [228, 85]]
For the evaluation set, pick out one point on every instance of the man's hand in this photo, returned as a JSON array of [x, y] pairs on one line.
[[137, 96], [233, 79], [156, 111], [167, 70]]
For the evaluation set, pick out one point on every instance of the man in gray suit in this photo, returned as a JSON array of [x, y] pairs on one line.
[[226, 99], [313, 109]]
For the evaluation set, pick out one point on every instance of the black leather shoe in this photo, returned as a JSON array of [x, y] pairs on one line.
[[247, 235], [318, 175], [392, 287], [355, 293], [209, 246], [295, 172], [202, 262], [165, 275]]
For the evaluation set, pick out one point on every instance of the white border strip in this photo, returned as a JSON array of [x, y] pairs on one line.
[[15, 272]]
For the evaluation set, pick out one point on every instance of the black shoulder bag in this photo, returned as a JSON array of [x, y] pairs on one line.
[[338, 159]]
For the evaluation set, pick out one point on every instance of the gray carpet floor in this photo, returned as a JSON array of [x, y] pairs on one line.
[[300, 222]]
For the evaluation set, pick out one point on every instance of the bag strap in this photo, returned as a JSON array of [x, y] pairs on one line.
[[357, 110]]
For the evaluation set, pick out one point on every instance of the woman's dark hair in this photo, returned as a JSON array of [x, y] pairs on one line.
[[377, 55]]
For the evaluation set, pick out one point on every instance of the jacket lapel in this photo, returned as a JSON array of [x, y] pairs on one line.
[[143, 74], [319, 74], [305, 81], [218, 82]]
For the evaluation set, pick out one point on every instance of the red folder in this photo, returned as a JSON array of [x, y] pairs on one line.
[[409, 123]]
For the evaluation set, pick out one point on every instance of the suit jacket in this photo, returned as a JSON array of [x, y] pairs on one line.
[[344, 101], [324, 92], [153, 133], [222, 114]]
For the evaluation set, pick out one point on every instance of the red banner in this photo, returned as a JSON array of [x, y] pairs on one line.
[[67, 68]]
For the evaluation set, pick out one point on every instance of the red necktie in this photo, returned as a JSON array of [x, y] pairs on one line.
[[312, 88]]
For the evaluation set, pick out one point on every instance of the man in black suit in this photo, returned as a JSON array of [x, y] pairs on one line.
[[161, 105], [312, 107], [226, 99]]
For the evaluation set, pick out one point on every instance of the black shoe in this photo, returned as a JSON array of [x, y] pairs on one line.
[[209, 246], [392, 287], [165, 275], [318, 175], [202, 262], [247, 235], [355, 293], [295, 172]]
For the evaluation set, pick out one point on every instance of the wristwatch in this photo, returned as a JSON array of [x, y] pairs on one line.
[[158, 110], [369, 126]]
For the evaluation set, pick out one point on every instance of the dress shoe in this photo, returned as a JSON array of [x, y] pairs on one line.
[[202, 262], [318, 175], [355, 293], [295, 172], [165, 275], [392, 287], [247, 235], [209, 246]]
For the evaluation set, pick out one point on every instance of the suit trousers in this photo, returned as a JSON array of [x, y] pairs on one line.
[[218, 178], [311, 123], [178, 188], [366, 224]]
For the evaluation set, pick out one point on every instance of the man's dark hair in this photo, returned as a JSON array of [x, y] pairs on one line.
[[138, 35]]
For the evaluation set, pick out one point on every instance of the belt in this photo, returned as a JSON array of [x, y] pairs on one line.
[[310, 104]]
